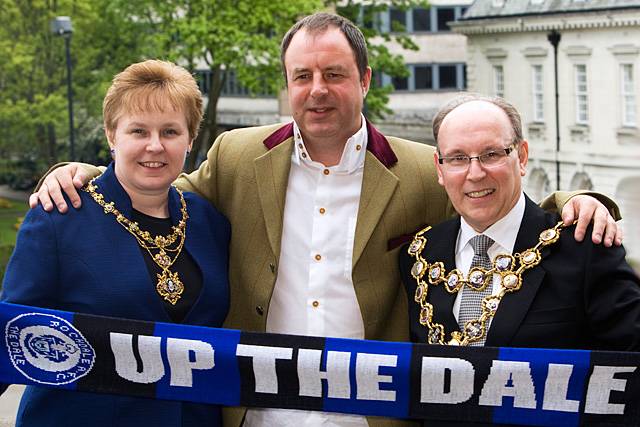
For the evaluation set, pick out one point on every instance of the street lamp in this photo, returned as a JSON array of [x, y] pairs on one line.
[[554, 39], [61, 26]]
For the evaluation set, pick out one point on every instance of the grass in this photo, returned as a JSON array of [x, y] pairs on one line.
[[11, 212]]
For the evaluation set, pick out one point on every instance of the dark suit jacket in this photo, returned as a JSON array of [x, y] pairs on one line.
[[84, 261], [580, 296]]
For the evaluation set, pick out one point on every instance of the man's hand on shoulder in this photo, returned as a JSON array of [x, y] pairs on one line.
[[65, 179], [585, 209]]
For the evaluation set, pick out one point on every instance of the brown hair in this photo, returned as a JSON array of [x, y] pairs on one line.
[[318, 23], [503, 104], [147, 86]]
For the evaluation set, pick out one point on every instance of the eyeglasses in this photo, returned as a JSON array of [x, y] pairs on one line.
[[489, 159]]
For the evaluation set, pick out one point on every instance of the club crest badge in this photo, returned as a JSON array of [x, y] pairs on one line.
[[48, 349]]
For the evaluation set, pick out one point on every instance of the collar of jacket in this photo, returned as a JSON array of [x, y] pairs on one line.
[[110, 187], [377, 144]]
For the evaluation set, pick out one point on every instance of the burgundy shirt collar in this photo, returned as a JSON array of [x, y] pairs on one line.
[[377, 144]]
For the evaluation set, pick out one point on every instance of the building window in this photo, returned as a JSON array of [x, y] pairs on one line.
[[423, 75], [421, 20], [628, 93], [398, 19], [445, 15], [447, 78], [433, 19], [538, 93], [429, 77], [582, 100], [498, 81], [400, 83], [230, 87]]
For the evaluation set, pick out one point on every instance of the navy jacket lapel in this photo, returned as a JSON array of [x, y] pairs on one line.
[[514, 306]]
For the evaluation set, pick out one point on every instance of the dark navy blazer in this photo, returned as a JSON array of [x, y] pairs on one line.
[[84, 261], [580, 296]]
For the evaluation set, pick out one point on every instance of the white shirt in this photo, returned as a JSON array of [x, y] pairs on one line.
[[314, 293], [503, 232]]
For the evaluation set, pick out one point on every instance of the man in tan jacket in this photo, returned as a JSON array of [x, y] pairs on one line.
[[315, 206]]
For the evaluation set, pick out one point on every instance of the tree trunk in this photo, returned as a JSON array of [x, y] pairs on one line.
[[51, 143], [209, 128]]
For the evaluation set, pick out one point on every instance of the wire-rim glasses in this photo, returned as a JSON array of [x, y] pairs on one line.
[[488, 159]]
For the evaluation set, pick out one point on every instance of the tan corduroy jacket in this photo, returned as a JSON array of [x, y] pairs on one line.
[[247, 182]]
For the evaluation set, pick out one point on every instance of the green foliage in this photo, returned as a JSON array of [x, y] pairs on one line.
[[11, 213], [108, 35]]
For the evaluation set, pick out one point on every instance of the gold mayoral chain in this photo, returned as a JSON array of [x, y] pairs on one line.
[[509, 269], [169, 285]]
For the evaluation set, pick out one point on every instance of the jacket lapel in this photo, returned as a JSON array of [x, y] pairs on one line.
[[272, 174], [378, 186], [514, 306], [441, 246]]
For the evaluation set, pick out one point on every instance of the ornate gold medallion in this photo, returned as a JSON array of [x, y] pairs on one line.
[[169, 285], [507, 268]]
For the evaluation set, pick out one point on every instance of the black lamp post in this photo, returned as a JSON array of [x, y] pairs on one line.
[[61, 26], [554, 39]]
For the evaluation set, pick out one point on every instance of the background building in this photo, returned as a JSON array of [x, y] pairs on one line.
[[437, 70], [509, 54]]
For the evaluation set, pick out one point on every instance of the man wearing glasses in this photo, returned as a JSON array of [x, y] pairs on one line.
[[507, 273]]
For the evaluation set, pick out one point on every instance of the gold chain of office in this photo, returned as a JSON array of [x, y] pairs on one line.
[[169, 285], [509, 269]]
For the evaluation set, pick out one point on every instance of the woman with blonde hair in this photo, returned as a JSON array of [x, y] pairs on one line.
[[139, 249]]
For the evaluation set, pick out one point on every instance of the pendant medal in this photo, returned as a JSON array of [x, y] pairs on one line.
[[169, 286]]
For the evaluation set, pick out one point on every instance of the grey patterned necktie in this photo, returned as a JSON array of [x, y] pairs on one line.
[[471, 301]]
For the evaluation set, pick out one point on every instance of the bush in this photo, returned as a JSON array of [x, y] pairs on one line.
[[19, 174]]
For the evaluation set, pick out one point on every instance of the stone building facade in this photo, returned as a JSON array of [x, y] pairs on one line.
[[509, 53]]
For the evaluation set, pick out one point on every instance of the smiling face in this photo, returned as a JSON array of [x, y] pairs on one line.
[[150, 149], [325, 90], [481, 195]]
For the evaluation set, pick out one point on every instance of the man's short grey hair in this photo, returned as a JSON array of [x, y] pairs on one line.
[[320, 22], [503, 104]]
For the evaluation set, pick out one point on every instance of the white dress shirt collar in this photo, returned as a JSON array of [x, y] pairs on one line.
[[353, 154], [503, 232]]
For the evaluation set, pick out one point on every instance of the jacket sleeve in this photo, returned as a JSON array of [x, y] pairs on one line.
[[611, 298], [32, 274], [91, 171], [204, 180], [556, 201]]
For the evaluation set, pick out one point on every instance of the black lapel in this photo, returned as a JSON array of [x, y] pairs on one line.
[[514, 306], [441, 246]]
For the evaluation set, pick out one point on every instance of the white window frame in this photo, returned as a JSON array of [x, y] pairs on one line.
[[537, 92], [628, 95], [498, 80], [581, 93]]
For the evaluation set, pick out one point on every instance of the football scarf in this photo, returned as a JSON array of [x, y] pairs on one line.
[[540, 387]]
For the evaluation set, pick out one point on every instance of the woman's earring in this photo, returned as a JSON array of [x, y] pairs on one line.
[[113, 152]]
